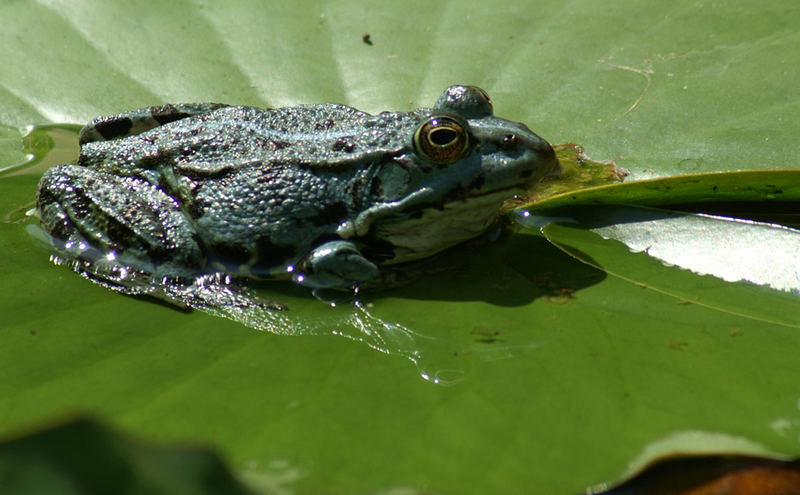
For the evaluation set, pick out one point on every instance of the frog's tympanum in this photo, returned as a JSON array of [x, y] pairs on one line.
[[323, 194]]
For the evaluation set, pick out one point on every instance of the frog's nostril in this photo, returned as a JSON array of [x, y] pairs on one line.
[[509, 142]]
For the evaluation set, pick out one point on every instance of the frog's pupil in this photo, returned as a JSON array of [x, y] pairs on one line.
[[443, 136]]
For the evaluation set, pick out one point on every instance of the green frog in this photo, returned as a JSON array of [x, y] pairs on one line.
[[325, 195]]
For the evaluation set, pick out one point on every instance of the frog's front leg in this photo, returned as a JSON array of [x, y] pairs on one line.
[[334, 264], [141, 120], [106, 219]]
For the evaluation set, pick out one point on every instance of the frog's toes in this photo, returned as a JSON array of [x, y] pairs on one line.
[[334, 264]]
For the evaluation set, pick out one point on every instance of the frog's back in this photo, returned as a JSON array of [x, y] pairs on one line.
[[288, 179], [230, 137]]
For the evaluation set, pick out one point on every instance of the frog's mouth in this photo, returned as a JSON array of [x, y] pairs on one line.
[[424, 230]]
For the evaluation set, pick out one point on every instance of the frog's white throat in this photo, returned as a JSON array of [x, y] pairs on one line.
[[433, 229]]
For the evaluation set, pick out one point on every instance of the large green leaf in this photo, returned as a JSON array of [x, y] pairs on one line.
[[560, 375]]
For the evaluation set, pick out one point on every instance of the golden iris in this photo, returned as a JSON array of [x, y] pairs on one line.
[[441, 139]]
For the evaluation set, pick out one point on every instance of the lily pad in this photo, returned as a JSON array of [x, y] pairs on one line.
[[558, 374]]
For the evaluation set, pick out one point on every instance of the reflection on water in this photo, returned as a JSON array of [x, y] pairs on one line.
[[37, 148], [11, 149], [31, 152]]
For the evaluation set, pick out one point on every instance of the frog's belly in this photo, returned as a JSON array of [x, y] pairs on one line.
[[438, 229]]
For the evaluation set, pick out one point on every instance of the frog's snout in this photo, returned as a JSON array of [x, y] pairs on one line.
[[531, 141], [513, 155], [543, 158]]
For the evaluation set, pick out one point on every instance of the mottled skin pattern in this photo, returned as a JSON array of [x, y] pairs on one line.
[[324, 193]]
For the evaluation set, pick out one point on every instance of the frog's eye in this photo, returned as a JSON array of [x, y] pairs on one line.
[[441, 139], [484, 96]]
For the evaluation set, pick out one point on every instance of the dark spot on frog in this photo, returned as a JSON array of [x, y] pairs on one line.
[[330, 214], [355, 192], [344, 144], [123, 236], [196, 209], [167, 113], [157, 160], [279, 145], [120, 234], [324, 125], [85, 161], [113, 127], [459, 193], [81, 204], [376, 187]]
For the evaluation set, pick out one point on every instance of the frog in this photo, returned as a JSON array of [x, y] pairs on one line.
[[324, 195]]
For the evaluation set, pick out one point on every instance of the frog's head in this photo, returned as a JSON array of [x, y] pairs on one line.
[[460, 164]]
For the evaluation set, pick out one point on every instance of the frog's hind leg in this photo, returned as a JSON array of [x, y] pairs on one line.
[[121, 232], [141, 120]]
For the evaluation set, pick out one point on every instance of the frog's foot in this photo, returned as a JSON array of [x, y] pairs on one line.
[[102, 218], [334, 264], [141, 120]]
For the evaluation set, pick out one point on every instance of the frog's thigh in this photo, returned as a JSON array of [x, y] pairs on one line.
[[335, 264], [112, 213], [140, 120]]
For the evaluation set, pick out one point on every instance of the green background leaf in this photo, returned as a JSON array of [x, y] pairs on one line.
[[563, 375], [45, 462]]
